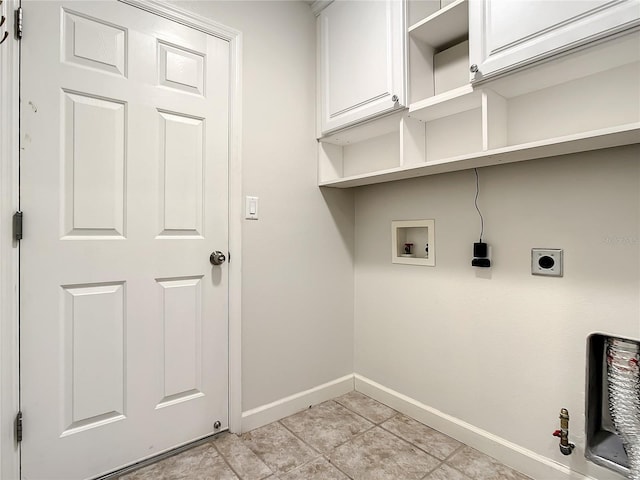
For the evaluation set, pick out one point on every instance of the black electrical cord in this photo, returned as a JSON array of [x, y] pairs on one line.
[[476, 204]]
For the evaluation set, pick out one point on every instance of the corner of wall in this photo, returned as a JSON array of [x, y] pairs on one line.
[[265, 414], [521, 459]]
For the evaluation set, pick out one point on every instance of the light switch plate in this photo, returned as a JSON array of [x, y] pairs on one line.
[[546, 261], [251, 208]]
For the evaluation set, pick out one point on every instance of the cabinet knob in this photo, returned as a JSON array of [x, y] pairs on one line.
[[474, 68], [395, 99]]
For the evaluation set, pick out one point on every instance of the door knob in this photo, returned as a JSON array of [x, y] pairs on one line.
[[217, 258]]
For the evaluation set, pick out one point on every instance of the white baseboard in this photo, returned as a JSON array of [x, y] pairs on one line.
[[526, 461], [265, 414], [530, 463]]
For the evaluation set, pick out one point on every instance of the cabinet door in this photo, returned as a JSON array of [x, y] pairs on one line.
[[362, 60], [507, 34]]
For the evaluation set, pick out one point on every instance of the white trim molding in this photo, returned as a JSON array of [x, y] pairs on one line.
[[187, 18], [9, 249], [511, 454], [318, 5], [271, 412]]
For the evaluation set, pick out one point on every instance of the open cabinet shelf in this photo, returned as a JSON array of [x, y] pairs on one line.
[[400, 142], [592, 140], [446, 26], [438, 53], [529, 115], [588, 100], [449, 103], [365, 131]]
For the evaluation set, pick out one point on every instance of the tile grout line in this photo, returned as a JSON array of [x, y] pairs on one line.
[[396, 413], [257, 455], [337, 467], [484, 454], [462, 445], [300, 438], [380, 425], [322, 455], [224, 459], [326, 455], [440, 462], [432, 470], [421, 448], [319, 455], [499, 463], [446, 461], [373, 425], [460, 471], [411, 443]]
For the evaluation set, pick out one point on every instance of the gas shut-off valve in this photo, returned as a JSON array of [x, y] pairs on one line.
[[566, 447]]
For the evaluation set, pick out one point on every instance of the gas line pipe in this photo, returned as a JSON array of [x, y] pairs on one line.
[[566, 447]]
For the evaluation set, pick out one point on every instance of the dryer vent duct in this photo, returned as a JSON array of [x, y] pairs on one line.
[[623, 375]]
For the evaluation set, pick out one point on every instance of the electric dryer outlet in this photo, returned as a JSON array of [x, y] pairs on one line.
[[547, 261]]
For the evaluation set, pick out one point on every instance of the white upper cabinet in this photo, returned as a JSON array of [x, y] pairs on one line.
[[362, 61], [578, 92], [507, 34]]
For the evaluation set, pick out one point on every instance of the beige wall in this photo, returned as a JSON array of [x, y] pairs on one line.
[[499, 348], [297, 294]]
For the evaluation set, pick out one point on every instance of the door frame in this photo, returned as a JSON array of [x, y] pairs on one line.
[[10, 203]]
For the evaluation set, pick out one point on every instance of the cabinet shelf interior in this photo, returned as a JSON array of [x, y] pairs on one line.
[[579, 100], [446, 27], [455, 101], [592, 140]]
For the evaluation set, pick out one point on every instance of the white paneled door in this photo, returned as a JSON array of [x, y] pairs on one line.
[[124, 172]]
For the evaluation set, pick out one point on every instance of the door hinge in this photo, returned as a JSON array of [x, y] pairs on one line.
[[17, 226], [19, 427], [19, 15]]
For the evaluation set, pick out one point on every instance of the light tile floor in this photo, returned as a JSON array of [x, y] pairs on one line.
[[351, 437]]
